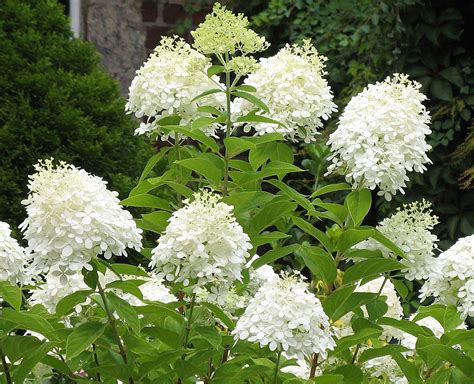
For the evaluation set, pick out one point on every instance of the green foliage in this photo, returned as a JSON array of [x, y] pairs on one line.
[[57, 101]]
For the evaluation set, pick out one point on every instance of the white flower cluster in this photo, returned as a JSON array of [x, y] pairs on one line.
[[410, 229], [386, 369], [72, 217], [202, 242], [152, 290], [13, 258], [382, 135], [55, 288], [451, 277], [394, 311], [167, 83], [291, 83], [286, 317]]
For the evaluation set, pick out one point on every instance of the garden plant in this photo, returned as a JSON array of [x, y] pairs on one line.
[[248, 280]]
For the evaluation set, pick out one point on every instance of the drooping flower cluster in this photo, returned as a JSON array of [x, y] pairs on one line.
[[410, 229], [167, 84], [285, 316], [382, 136], [291, 83], [451, 277], [223, 32], [394, 311], [202, 243], [13, 258], [72, 217]]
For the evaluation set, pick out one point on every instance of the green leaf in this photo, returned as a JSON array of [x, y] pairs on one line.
[[358, 203], [453, 75], [146, 200], [152, 162], [331, 188], [344, 300], [352, 374], [373, 353], [455, 357], [328, 379], [11, 293], [214, 70], [30, 361], [128, 269], [252, 99], [196, 133], [268, 237], [82, 337], [211, 170], [206, 93], [405, 325], [16, 347], [247, 201], [275, 254], [320, 263], [313, 231], [209, 334], [129, 286], [28, 321], [236, 145], [154, 221], [220, 314], [67, 304], [371, 267], [357, 338], [442, 90], [354, 236], [245, 88], [169, 120], [270, 214], [125, 312], [254, 118], [292, 194], [408, 368]]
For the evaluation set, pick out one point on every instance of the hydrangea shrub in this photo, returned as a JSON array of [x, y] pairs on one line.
[[228, 294]]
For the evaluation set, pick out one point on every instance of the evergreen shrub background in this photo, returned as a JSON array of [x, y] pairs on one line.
[[55, 100]]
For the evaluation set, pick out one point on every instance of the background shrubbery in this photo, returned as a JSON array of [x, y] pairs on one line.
[[55, 100]]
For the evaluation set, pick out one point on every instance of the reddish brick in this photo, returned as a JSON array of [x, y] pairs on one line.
[[153, 36], [172, 13], [149, 10]]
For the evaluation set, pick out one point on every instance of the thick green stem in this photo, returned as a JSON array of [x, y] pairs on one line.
[[188, 323], [277, 368], [179, 175], [228, 88], [113, 325], [6, 368]]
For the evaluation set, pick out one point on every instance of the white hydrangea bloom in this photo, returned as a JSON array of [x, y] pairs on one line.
[[451, 277], [292, 85], [395, 310], [410, 229], [55, 288], [409, 341], [385, 368], [284, 315], [382, 135], [72, 216], [301, 369], [13, 258], [202, 243], [167, 83]]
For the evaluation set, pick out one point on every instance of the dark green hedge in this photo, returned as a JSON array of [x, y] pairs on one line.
[[55, 100]]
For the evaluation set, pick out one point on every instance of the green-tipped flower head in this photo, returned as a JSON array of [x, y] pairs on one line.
[[224, 32]]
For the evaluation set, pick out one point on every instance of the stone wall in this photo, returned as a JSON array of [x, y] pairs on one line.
[[126, 31]]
